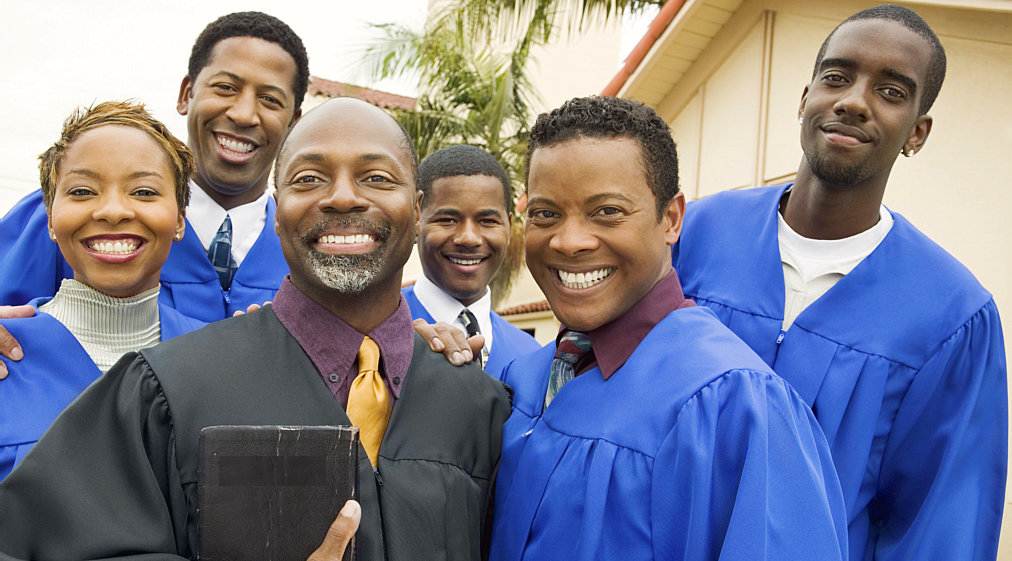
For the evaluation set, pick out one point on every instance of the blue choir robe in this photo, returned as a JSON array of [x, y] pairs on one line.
[[31, 266], [902, 361], [692, 450], [55, 370], [508, 341]]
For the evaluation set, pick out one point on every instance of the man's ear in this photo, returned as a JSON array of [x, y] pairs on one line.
[[275, 195], [672, 217], [804, 100], [918, 134], [185, 91], [418, 213], [295, 117]]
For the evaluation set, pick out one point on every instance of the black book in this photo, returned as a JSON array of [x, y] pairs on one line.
[[269, 493]]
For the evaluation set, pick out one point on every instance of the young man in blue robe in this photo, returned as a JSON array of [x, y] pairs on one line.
[[465, 208], [894, 344], [248, 74], [648, 430]]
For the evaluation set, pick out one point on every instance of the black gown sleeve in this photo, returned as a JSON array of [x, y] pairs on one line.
[[102, 483]]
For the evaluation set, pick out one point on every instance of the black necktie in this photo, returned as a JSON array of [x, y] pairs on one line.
[[471, 327]]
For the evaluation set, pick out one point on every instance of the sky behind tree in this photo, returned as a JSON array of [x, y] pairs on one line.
[[57, 55]]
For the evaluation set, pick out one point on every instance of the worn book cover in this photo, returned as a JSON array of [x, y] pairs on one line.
[[269, 493]]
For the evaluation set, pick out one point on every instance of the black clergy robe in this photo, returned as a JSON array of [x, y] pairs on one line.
[[116, 476]]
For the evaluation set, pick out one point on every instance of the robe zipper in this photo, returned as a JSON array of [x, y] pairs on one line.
[[776, 349]]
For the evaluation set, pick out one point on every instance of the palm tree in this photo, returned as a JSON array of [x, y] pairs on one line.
[[502, 18]]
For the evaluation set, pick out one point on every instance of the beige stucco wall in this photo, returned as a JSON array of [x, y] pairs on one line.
[[736, 126]]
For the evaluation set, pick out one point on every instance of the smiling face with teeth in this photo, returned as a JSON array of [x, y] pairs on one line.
[[465, 229], [594, 243], [238, 110], [346, 209], [114, 212]]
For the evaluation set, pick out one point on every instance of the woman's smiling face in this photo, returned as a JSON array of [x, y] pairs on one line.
[[114, 212]]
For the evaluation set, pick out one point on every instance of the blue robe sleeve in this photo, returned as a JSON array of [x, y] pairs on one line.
[[746, 474], [944, 465], [31, 265], [102, 483]]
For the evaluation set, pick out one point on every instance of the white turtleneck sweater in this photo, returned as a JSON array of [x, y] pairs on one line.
[[106, 327]]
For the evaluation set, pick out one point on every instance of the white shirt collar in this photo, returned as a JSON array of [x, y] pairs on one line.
[[445, 308], [206, 216]]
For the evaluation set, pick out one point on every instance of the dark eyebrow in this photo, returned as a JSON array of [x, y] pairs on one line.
[[849, 64], [377, 157], [902, 78], [540, 200], [283, 93], [840, 62], [444, 211], [605, 196], [89, 173], [591, 200], [81, 171], [311, 157]]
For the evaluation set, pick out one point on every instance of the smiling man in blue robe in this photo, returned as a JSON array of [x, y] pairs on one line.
[[647, 430], [894, 343]]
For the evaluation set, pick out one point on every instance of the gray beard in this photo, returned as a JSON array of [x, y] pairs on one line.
[[347, 274]]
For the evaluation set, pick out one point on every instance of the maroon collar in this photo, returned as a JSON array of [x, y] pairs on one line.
[[613, 343], [332, 344]]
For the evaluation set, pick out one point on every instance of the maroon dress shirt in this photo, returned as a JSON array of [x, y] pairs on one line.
[[332, 344], [613, 343]]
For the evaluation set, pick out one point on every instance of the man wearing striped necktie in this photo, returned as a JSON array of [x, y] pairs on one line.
[[648, 430], [336, 347], [466, 212]]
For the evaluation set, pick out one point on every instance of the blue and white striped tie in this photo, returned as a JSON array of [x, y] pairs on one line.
[[220, 254]]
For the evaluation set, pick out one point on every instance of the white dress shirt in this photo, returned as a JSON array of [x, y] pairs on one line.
[[445, 308], [206, 216]]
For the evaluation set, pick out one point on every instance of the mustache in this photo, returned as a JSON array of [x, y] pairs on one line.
[[379, 230]]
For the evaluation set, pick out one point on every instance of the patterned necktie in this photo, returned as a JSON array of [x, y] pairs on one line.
[[220, 254], [571, 348], [471, 327], [369, 403]]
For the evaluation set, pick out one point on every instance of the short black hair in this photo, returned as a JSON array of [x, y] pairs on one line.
[[260, 26], [909, 19], [462, 159], [613, 117]]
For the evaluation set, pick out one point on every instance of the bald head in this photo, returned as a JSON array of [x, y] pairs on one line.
[[346, 213], [335, 110]]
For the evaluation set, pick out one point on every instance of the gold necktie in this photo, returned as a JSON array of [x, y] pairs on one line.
[[368, 400]]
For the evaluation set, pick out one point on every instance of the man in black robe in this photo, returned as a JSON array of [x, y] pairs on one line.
[[116, 476]]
